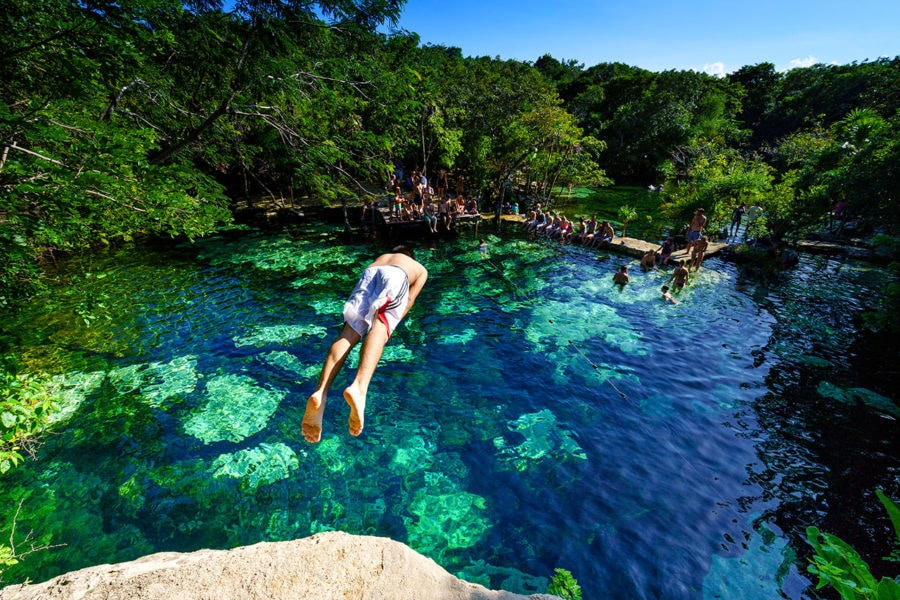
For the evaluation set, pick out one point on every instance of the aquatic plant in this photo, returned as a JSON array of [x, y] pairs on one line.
[[290, 364], [257, 466], [563, 584], [235, 408], [70, 390], [838, 565], [858, 395]]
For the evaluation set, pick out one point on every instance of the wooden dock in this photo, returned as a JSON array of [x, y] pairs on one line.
[[396, 229]]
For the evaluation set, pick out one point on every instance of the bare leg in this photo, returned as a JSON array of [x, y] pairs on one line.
[[334, 360], [369, 355]]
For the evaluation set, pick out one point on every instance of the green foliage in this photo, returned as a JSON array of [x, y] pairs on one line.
[[716, 178], [7, 557], [838, 565], [25, 408], [627, 213], [564, 585]]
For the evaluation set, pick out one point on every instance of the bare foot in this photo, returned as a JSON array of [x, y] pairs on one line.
[[357, 402], [312, 419]]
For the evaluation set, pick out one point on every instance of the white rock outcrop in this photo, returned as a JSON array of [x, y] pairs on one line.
[[326, 566]]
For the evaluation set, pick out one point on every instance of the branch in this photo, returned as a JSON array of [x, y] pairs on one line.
[[111, 199], [15, 146]]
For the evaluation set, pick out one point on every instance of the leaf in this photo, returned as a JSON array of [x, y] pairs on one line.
[[8, 419], [893, 511]]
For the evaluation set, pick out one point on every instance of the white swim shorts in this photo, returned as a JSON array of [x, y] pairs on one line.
[[381, 292]]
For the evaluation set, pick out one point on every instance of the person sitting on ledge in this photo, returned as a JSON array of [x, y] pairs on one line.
[[648, 261], [666, 250]]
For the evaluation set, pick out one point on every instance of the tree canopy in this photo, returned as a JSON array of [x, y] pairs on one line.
[[149, 117]]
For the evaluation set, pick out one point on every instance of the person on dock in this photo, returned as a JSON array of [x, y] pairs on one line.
[[444, 213], [666, 250], [667, 296], [621, 276], [648, 261], [736, 217], [382, 297], [695, 229], [431, 216], [604, 233], [699, 252], [680, 275]]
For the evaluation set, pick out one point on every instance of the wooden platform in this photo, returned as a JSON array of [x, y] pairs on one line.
[[416, 228]]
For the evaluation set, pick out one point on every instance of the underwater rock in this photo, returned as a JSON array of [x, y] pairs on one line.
[[258, 466], [236, 409], [326, 566], [543, 438]]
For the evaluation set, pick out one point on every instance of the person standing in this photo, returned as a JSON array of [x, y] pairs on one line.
[[680, 275], [736, 218], [695, 229], [621, 276], [385, 292]]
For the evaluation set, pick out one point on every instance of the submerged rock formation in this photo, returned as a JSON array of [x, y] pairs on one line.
[[326, 566]]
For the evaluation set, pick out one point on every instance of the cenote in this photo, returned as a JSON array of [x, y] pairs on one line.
[[527, 415]]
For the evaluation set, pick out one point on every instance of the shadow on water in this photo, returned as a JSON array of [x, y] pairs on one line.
[[528, 415]]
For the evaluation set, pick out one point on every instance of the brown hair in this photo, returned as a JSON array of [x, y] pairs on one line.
[[401, 249]]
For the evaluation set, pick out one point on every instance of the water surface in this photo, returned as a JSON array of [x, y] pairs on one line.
[[528, 414]]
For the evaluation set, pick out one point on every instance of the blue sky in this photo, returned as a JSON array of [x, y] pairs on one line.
[[713, 36]]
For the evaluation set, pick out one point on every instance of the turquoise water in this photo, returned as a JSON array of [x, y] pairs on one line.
[[527, 415]]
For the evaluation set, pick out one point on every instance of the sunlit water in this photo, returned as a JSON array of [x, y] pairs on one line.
[[527, 415]]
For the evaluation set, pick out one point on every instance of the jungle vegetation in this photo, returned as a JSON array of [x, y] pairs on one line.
[[149, 117]]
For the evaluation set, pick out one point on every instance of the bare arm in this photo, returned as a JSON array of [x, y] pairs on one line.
[[415, 287]]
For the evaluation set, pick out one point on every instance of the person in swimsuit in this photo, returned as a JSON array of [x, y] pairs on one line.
[[382, 297], [700, 247], [679, 277], [621, 276], [666, 296], [695, 229]]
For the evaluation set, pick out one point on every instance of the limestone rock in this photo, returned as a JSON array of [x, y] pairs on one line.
[[326, 566]]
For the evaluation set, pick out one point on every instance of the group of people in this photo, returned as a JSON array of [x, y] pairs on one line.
[[588, 232], [649, 261], [697, 245], [422, 203]]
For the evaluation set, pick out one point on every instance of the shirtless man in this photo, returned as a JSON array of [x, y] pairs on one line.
[[621, 276], [699, 252], [383, 296], [679, 277], [694, 229]]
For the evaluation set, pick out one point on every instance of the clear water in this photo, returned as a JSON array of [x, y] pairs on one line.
[[527, 415]]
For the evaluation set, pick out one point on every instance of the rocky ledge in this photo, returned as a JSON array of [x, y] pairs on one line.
[[327, 566]]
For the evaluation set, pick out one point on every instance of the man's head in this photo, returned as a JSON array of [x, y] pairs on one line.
[[401, 249]]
